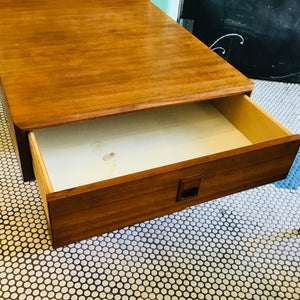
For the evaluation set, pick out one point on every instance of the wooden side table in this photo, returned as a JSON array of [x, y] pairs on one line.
[[125, 116]]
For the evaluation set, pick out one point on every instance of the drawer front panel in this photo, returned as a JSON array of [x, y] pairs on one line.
[[77, 214]]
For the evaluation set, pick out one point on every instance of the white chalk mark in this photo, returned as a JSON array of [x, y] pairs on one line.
[[219, 48], [285, 76], [222, 37]]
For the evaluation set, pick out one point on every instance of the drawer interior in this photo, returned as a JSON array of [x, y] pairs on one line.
[[78, 154]]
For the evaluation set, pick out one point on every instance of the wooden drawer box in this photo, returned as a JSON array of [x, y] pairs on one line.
[[101, 175]]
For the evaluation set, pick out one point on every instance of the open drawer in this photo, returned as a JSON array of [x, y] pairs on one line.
[[105, 174]]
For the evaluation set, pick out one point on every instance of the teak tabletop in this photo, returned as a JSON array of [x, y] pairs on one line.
[[65, 61]]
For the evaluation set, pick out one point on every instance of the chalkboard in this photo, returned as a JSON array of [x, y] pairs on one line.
[[261, 38]]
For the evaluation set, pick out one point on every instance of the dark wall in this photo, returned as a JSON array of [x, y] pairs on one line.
[[269, 31]]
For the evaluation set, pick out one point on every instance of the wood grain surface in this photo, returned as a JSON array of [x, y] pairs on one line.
[[65, 61], [41, 173], [101, 207]]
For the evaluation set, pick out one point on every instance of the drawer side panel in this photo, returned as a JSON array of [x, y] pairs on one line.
[[41, 174]]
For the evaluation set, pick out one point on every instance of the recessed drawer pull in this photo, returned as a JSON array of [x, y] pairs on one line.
[[189, 188], [189, 193]]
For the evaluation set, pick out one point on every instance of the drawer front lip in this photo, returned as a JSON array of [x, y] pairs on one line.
[[63, 120], [90, 210]]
